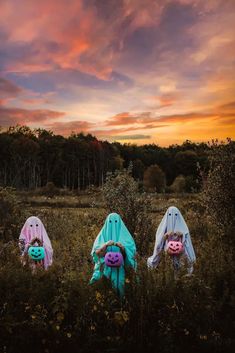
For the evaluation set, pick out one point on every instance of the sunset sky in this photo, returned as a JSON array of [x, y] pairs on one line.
[[138, 71]]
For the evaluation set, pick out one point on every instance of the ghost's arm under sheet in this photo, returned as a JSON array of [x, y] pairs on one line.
[[23, 244], [189, 252], [122, 249], [153, 261], [102, 250]]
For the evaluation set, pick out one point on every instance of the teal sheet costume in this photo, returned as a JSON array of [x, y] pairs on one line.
[[114, 229]]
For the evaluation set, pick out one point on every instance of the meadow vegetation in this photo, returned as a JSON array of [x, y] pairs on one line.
[[58, 311]]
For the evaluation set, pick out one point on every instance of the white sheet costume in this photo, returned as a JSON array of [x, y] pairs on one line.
[[172, 221], [34, 228]]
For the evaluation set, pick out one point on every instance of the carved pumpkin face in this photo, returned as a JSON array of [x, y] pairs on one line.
[[36, 253], [113, 259], [175, 247]]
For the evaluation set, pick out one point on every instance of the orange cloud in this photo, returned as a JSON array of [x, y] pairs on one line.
[[150, 120], [65, 128], [36, 101], [122, 119], [13, 116], [166, 100], [183, 118]]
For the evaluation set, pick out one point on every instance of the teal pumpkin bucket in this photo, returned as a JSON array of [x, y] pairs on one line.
[[36, 253]]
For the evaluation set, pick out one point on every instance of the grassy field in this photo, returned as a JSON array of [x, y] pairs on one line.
[[58, 311]]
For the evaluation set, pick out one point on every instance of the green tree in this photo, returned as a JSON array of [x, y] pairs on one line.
[[186, 162], [138, 169]]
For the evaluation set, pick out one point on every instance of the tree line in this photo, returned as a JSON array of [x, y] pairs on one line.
[[31, 158]]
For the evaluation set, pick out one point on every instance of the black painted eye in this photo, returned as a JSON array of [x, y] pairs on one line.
[[32, 250], [176, 214], [169, 214], [31, 225], [36, 225], [110, 221], [115, 221]]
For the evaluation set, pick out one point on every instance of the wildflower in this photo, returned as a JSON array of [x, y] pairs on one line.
[[203, 337], [127, 280], [33, 317], [98, 296], [94, 307], [121, 317], [69, 335], [125, 316], [57, 327], [216, 335], [60, 316]]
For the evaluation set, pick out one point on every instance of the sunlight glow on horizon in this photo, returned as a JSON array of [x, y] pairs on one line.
[[124, 70]]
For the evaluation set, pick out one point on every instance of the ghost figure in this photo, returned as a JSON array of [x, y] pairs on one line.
[[174, 222], [34, 228], [114, 230]]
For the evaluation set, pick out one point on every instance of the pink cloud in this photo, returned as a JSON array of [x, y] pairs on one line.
[[13, 116], [8, 89], [36, 101], [65, 128], [60, 35]]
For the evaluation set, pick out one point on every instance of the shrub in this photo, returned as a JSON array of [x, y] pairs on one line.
[[50, 190], [122, 196], [178, 185], [154, 179], [11, 214], [219, 191]]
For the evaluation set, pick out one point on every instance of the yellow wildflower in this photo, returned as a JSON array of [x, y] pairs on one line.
[[203, 337], [121, 317], [98, 296], [125, 316], [60, 316]]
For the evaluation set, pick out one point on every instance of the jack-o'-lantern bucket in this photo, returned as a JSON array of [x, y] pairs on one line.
[[113, 259], [36, 253], [174, 247]]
